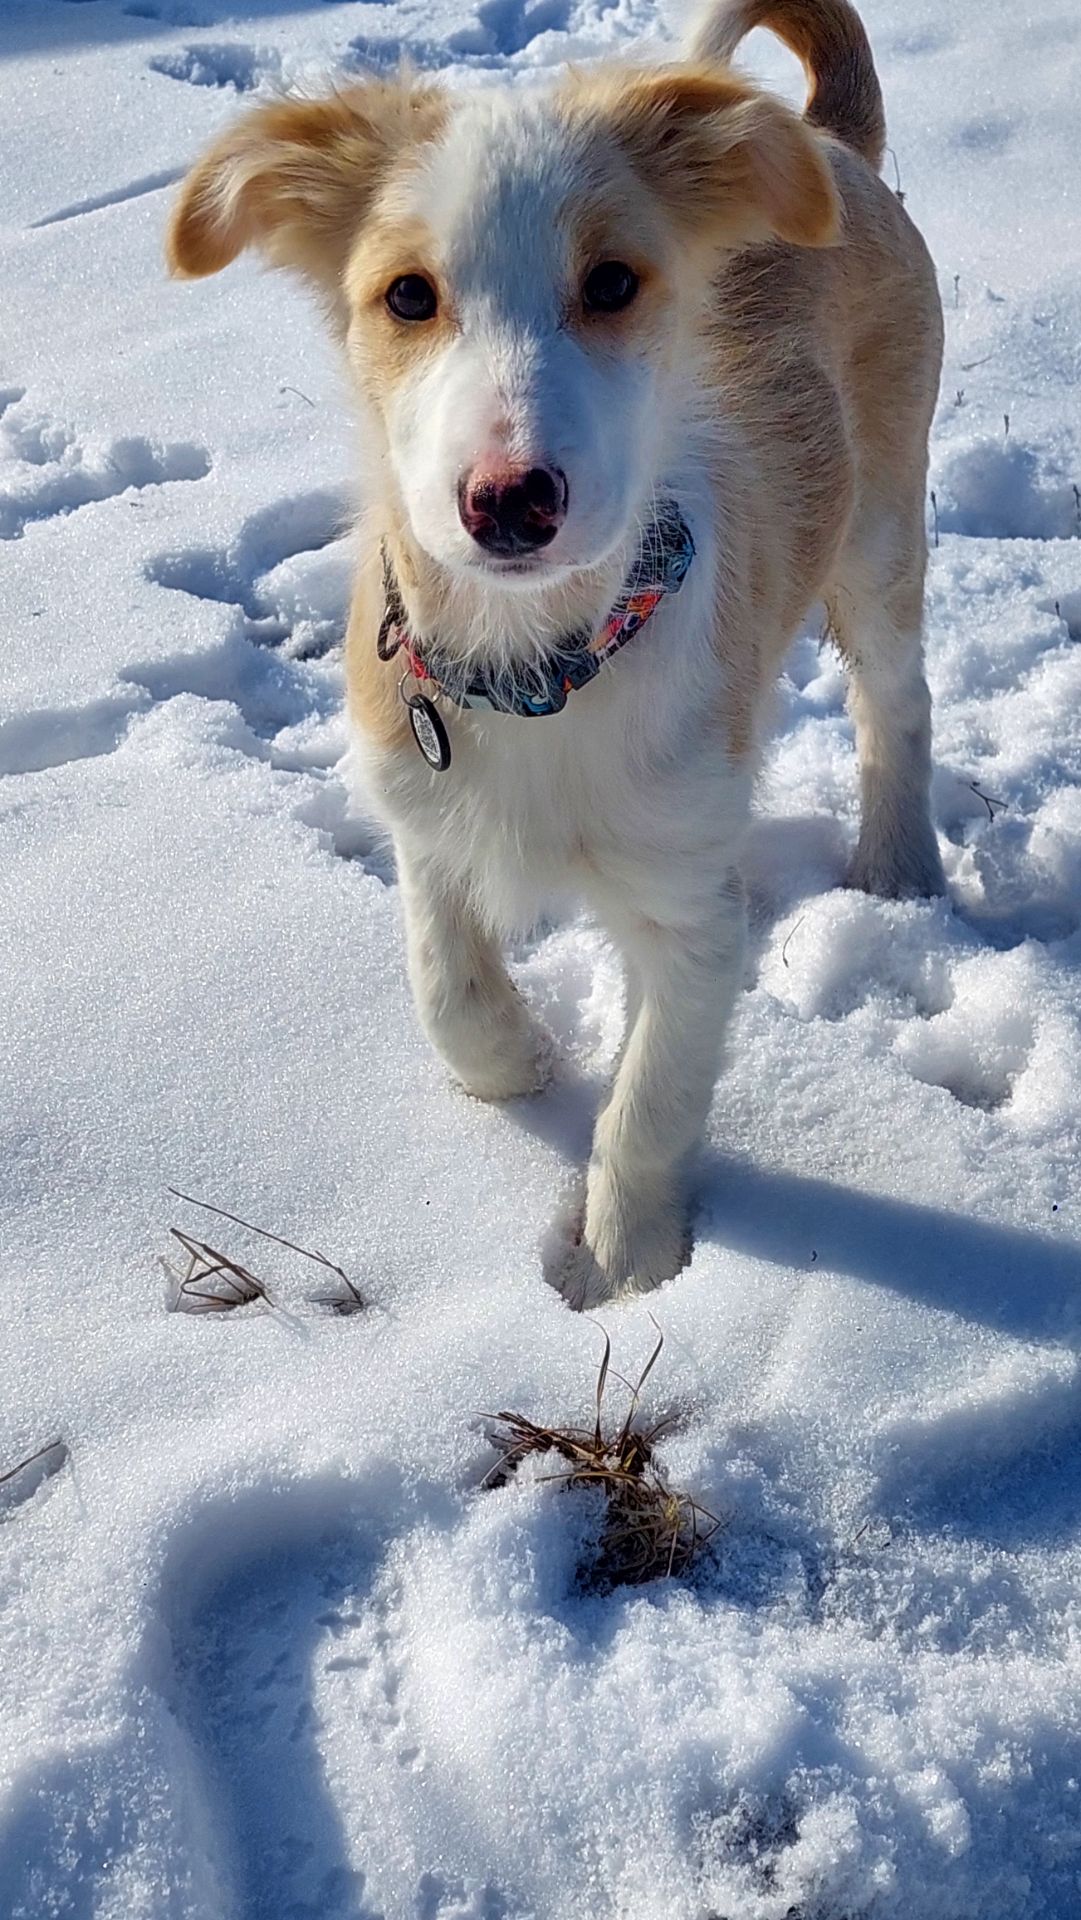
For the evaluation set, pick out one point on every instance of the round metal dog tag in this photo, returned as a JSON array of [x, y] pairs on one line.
[[429, 732]]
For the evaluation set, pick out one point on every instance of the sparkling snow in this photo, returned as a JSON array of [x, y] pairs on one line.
[[268, 1652]]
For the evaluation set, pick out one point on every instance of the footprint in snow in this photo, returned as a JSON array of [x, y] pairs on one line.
[[510, 25], [1000, 490], [989, 133], [224, 64], [976, 1062], [1067, 608], [501, 30], [46, 472], [287, 576], [20, 1483], [56, 736], [272, 572]]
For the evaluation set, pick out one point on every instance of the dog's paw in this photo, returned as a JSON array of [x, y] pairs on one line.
[[582, 1281], [909, 870], [614, 1250], [516, 1063]]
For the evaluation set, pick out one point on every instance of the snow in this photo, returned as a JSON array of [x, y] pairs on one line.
[[269, 1651]]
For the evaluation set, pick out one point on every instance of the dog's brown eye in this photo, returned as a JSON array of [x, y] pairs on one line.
[[412, 297], [609, 287]]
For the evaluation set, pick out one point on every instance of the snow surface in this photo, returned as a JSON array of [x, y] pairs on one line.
[[268, 1652]]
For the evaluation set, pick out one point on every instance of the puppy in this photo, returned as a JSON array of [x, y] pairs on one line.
[[646, 365]]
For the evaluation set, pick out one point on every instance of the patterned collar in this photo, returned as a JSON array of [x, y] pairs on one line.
[[530, 690]]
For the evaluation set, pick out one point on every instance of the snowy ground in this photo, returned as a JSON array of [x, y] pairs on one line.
[[267, 1652]]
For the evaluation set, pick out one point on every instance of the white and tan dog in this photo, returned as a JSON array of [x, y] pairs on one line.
[[640, 315]]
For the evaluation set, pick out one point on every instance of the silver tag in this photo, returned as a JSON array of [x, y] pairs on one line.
[[429, 732]]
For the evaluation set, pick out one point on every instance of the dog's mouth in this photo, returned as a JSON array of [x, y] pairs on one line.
[[514, 563], [550, 566], [519, 569]]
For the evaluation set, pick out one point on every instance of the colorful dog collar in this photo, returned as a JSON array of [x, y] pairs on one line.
[[534, 689]]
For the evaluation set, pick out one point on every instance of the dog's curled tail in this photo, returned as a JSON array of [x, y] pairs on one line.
[[828, 37]]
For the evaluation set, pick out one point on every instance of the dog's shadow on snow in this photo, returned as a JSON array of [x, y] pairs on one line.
[[1022, 1283]]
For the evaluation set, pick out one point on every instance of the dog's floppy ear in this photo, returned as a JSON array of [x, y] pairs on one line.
[[733, 165], [295, 178]]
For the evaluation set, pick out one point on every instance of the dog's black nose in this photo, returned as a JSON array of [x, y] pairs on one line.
[[511, 510]]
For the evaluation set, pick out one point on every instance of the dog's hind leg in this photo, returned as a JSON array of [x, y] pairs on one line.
[[875, 605], [466, 1001]]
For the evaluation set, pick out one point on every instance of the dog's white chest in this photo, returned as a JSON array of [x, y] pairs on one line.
[[627, 791]]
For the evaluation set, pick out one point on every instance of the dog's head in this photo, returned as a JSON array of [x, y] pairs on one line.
[[519, 278]]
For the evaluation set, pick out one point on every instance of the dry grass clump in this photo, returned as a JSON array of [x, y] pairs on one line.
[[215, 1283], [651, 1530]]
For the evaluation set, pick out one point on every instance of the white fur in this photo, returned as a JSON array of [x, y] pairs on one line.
[[626, 803], [628, 800]]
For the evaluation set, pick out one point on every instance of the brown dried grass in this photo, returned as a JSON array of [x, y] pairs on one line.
[[215, 1283], [651, 1531]]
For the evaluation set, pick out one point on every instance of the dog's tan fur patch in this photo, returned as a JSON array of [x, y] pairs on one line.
[[297, 179], [730, 165]]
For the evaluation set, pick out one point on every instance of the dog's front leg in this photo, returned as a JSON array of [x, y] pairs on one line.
[[467, 1003], [634, 1231]]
